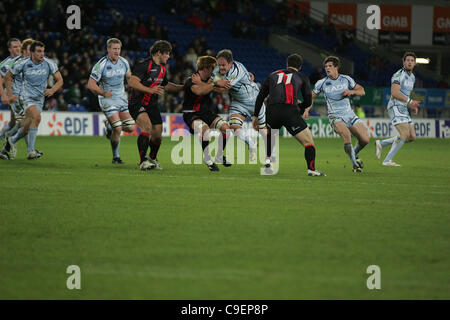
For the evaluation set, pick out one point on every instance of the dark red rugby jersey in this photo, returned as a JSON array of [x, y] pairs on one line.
[[283, 87], [193, 102], [151, 75]]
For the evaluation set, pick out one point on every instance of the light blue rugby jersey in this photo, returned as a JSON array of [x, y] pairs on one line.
[[6, 65], [18, 79], [110, 76], [244, 91], [406, 82], [332, 90], [35, 76]]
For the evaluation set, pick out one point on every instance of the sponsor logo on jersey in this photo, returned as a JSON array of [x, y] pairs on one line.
[[156, 80], [37, 72], [118, 72], [338, 87], [409, 84]]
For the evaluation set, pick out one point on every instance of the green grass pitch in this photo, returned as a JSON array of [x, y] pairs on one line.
[[187, 233]]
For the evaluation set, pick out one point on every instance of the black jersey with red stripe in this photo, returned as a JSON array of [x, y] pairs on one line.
[[151, 75], [283, 87], [193, 102]]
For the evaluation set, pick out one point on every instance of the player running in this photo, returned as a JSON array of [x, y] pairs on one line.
[[402, 83], [35, 71], [107, 81], [14, 46], [17, 110], [337, 88], [148, 81], [243, 93], [282, 87]]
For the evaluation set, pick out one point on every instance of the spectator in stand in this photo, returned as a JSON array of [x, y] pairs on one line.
[[316, 75], [142, 31], [195, 19]]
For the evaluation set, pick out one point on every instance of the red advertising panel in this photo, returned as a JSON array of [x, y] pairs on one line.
[[395, 18], [395, 24], [342, 15], [441, 19], [441, 26]]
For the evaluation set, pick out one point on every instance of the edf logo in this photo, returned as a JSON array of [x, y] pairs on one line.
[[76, 126]]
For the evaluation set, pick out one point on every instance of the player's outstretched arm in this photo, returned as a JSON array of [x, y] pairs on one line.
[[223, 83], [172, 87], [8, 86], [58, 85], [263, 93], [203, 88], [136, 84], [2, 92], [358, 91]]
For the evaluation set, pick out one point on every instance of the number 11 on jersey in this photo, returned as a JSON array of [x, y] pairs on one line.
[[281, 76]]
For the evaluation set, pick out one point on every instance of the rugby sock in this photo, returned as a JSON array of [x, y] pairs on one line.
[[224, 140], [206, 155], [26, 139], [142, 142], [398, 143], [310, 157], [154, 147], [268, 143], [13, 130], [358, 148], [204, 144], [11, 133], [220, 152], [115, 148], [32, 134], [19, 135], [351, 153], [388, 141], [4, 130], [246, 138]]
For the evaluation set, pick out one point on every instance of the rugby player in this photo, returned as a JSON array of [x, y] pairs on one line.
[[35, 71], [243, 93], [107, 82], [282, 87], [197, 110], [148, 81], [337, 88], [402, 83]]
